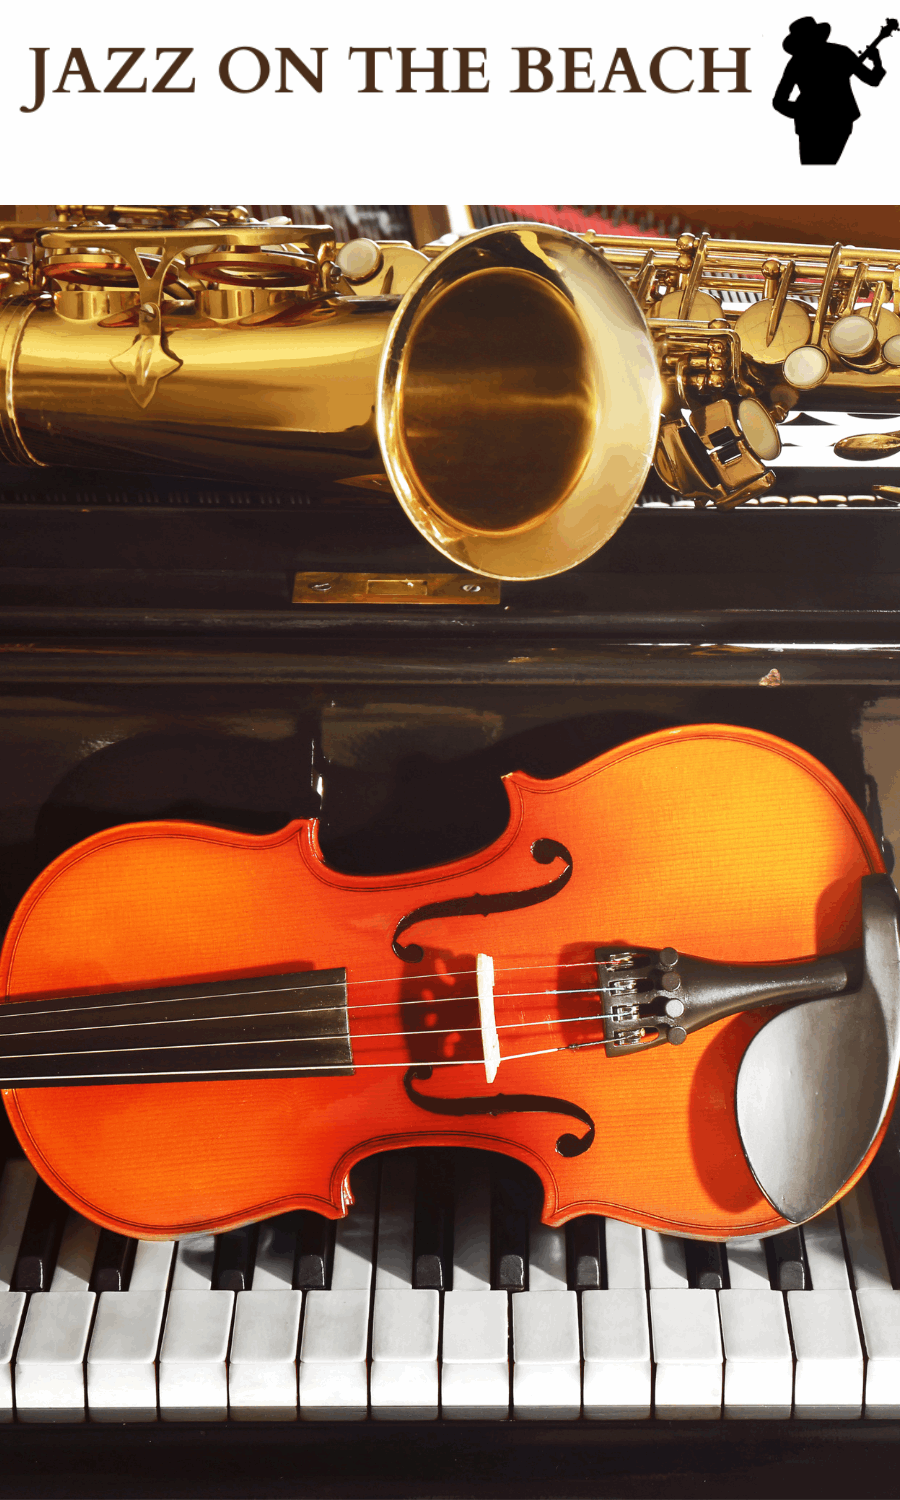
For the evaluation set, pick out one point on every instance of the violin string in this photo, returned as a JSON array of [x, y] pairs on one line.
[[83, 1001], [299, 1041], [257, 1015], [191, 1074]]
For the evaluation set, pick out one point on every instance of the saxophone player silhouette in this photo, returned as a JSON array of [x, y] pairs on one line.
[[825, 109]]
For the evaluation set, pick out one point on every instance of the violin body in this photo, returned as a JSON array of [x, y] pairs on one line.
[[726, 843]]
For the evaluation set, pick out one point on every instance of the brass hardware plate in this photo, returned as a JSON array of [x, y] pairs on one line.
[[394, 588]]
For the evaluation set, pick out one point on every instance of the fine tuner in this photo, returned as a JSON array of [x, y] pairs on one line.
[[511, 390]]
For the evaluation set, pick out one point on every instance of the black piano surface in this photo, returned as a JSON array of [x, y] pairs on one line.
[[152, 665]]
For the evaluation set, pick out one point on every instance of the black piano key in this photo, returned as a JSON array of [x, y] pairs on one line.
[[433, 1221], [315, 1248], [512, 1191], [113, 1262], [233, 1264], [40, 1241], [584, 1252], [705, 1265], [787, 1261]]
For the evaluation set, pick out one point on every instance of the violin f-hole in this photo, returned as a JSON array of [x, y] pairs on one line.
[[505, 1104], [544, 851]]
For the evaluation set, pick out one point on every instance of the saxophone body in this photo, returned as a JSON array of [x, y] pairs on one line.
[[511, 390]]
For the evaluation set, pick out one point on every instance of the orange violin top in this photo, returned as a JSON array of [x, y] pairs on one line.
[[724, 843]]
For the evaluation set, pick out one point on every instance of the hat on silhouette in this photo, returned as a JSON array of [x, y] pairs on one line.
[[806, 32]]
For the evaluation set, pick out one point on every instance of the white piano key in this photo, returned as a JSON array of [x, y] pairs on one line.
[[152, 1266], [617, 1366], [49, 1363], [404, 1374], [879, 1315], [276, 1247], [665, 1261], [546, 1256], [546, 1355], [759, 1365], [825, 1253], [16, 1190], [193, 1383], [333, 1379], [262, 1365], [354, 1236], [121, 1362], [625, 1268], [747, 1268], [77, 1249], [868, 1263], [194, 1258], [475, 1354], [12, 1308], [393, 1271], [687, 1349], [472, 1223], [828, 1380]]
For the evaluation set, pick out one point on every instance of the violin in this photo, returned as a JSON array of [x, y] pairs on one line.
[[202, 1028]]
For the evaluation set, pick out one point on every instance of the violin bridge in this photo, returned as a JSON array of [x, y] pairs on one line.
[[490, 1042]]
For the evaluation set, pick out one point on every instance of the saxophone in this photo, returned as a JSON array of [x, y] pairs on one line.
[[511, 390]]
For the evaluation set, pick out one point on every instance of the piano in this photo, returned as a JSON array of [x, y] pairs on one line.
[[439, 1341]]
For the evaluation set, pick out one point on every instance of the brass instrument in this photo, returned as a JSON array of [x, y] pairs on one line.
[[512, 389]]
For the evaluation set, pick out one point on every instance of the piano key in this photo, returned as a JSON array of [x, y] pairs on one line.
[[759, 1366], [546, 1256], [405, 1332], [354, 1236], [877, 1302], [687, 1348], [262, 1366], [665, 1260], [828, 1380], [16, 1191], [393, 1271], [40, 1240], [195, 1257], [584, 1238], [748, 1269], [113, 1262], [625, 1264], [405, 1321], [825, 1253], [333, 1379], [617, 1364], [233, 1264], [12, 1308], [315, 1237], [472, 1222], [121, 1361], [432, 1234], [879, 1316], [475, 1354], [705, 1265], [512, 1192], [193, 1382], [122, 1355], [75, 1260], [152, 1266], [868, 1261], [50, 1384], [276, 1248], [546, 1355], [787, 1268]]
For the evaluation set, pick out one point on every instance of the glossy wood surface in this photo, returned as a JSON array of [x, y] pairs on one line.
[[726, 843]]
